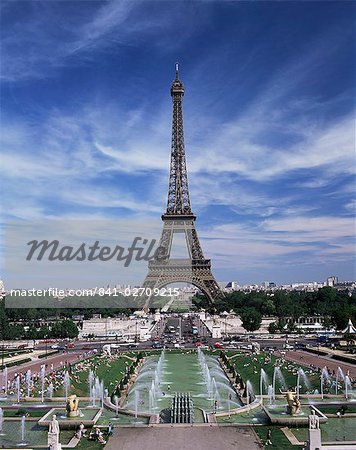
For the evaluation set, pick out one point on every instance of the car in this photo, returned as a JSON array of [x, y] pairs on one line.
[[218, 345], [157, 345], [69, 345], [198, 344], [55, 346], [288, 346], [132, 345]]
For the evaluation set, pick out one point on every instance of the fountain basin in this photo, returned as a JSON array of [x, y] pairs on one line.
[[279, 416], [87, 416]]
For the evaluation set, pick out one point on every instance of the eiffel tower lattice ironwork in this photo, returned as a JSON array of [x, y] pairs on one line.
[[179, 218]]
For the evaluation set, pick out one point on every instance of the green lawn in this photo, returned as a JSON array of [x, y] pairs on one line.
[[334, 430], [249, 366], [87, 444], [29, 412], [278, 439], [110, 371]]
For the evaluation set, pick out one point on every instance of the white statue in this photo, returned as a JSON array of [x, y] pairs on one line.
[[53, 434], [314, 421], [314, 432], [107, 350]]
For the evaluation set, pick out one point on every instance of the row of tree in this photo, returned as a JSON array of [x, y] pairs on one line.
[[59, 329], [337, 306]]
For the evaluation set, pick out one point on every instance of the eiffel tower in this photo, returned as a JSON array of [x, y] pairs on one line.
[[179, 218]]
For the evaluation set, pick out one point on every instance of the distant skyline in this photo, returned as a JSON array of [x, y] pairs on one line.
[[269, 112]]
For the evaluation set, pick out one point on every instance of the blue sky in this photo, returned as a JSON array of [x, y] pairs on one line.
[[269, 124]]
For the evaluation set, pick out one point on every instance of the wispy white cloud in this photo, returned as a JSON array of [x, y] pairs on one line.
[[51, 35], [298, 240]]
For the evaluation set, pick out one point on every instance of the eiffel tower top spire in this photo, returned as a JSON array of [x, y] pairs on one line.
[[178, 202]]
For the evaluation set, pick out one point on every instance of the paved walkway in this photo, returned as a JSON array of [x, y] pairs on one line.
[[320, 361], [66, 357], [191, 438]]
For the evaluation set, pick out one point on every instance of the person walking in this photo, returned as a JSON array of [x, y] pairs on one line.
[[269, 435]]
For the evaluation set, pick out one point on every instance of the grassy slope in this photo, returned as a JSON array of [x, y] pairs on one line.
[[250, 369], [278, 439]]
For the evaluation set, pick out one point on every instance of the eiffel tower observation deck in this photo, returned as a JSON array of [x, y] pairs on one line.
[[179, 219]]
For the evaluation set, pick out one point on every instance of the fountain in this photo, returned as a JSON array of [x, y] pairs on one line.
[[5, 380], [151, 401], [323, 378], [137, 399], [116, 403], [1, 422], [198, 374], [28, 382], [182, 410], [206, 374], [302, 377], [216, 395], [18, 395], [101, 394], [50, 390], [97, 392], [250, 395], [91, 379], [42, 376], [95, 386], [348, 386], [270, 395], [339, 375], [298, 383], [277, 375], [22, 431], [66, 382], [263, 382]]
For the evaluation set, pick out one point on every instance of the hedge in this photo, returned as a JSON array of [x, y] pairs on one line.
[[344, 359], [16, 363], [316, 352], [44, 355]]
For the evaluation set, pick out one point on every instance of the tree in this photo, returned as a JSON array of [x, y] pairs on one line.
[[251, 319], [341, 317], [268, 307], [291, 327], [281, 323], [3, 321], [65, 329], [272, 328]]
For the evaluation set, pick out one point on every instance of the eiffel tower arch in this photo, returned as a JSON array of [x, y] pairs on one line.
[[179, 219]]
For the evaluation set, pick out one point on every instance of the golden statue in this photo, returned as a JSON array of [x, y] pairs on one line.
[[72, 406], [294, 404]]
